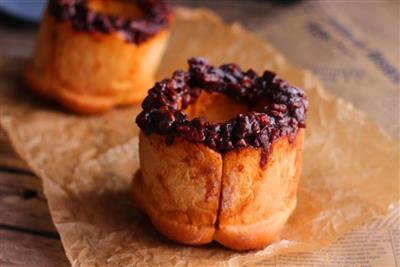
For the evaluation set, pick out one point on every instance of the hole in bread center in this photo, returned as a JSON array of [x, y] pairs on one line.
[[215, 107], [121, 8]]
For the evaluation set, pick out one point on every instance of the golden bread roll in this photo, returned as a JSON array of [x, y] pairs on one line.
[[92, 55], [220, 155]]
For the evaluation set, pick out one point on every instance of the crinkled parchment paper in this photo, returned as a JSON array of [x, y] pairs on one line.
[[87, 163]]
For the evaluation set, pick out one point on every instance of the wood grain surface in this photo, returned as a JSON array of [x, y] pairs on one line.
[[27, 234]]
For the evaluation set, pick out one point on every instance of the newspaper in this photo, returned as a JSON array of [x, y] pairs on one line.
[[375, 244], [356, 57]]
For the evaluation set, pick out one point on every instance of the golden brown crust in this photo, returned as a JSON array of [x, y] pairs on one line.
[[92, 72], [171, 228], [255, 202], [179, 188]]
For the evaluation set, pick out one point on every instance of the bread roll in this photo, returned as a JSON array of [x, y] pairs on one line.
[[89, 60], [230, 176]]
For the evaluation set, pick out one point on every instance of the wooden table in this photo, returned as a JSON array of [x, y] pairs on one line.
[[27, 234]]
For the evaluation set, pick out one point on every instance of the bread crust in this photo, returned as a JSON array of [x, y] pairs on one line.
[[92, 72], [249, 204], [256, 200], [178, 187], [249, 143]]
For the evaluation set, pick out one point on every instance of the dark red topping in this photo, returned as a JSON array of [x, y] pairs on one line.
[[283, 114], [156, 18]]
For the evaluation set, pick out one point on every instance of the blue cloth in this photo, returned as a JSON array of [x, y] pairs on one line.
[[30, 10]]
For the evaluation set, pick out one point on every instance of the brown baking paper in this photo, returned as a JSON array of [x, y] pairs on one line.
[[87, 163]]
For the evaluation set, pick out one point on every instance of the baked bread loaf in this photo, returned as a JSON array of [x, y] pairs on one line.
[[92, 55], [220, 155]]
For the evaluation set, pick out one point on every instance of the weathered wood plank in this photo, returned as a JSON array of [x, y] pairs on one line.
[[23, 205], [24, 249], [8, 157]]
